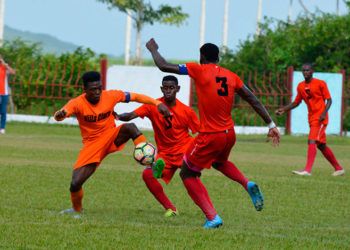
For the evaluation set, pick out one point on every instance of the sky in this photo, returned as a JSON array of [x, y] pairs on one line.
[[89, 23]]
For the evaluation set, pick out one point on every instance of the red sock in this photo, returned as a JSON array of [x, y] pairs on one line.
[[231, 171], [205, 192], [198, 193], [311, 155], [156, 189], [328, 154], [76, 198]]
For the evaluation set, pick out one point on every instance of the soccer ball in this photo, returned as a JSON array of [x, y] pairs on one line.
[[145, 153]]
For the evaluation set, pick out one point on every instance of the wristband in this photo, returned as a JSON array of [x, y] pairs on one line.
[[271, 125]]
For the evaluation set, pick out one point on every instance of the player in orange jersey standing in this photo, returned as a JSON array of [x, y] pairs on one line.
[[215, 88], [171, 135], [315, 94], [5, 69], [94, 111]]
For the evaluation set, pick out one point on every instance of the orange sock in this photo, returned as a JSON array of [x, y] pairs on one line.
[[139, 139], [76, 198]]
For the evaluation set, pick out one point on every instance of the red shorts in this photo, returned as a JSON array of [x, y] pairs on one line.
[[208, 148], [318, 133], [172, 163], [96, 150]]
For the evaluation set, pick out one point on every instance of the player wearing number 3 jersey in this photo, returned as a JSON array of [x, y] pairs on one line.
[[215, 88], [171, 135]]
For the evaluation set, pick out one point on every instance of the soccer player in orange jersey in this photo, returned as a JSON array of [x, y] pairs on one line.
[[315, 94], [171, 135], [94, 111], [215, 88]]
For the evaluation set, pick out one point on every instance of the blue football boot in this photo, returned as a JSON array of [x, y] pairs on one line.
[[256, 195], [214, 223]]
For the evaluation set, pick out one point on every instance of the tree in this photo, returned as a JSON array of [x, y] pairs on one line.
[[322, 39], [143, 13]]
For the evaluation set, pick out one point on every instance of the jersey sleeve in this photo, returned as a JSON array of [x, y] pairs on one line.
[[193, 121], [298, 98], [119, 96], [71, 108], [324, 90], [143, 111], [193, 69], [238, 82]]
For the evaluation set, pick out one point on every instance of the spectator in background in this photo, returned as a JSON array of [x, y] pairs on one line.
[[5, 69]]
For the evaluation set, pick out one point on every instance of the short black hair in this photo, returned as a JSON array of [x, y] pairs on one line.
[[210, 52], [170, 78], [90, 76], [309, 64]]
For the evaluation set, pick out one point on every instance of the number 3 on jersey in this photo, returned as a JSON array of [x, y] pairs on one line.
[[223, 90]]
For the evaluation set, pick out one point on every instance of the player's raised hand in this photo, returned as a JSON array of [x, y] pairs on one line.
[[151, 45], [163, 109], [279, 111], [274, 135], [60, 115]]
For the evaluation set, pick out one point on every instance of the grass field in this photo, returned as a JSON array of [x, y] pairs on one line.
[[120, 213]]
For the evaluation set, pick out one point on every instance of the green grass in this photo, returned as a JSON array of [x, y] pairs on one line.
[[300, 212]]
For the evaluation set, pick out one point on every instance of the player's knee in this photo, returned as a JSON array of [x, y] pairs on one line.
[[188, 173], [321, 146], [147, 174], [311, 142], [74, 186], [217, 165], [132, 130]]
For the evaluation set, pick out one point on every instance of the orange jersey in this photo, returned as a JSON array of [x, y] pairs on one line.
[[171, 133], [3, 80], [94, 120], [215, 88], [314, 95]]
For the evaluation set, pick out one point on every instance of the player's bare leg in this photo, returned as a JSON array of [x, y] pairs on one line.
[[79, 176], [130, 131], [328, 154]]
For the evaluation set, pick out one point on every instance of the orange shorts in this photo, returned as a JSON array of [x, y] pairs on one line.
[[96, 150], [172, 163], [208, 148], [318, 133]]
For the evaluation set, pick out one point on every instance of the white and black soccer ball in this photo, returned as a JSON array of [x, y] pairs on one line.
[[145, 153]]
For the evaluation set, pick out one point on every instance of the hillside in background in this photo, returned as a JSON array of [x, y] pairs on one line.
[[48, 43]]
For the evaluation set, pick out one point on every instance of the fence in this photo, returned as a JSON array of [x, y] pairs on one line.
[[46, 88]]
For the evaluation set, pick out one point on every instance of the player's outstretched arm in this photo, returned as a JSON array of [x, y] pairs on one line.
[[135, 97], [60, 115], [160, 62], [125, 117], [285, 109], [249, 97]]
